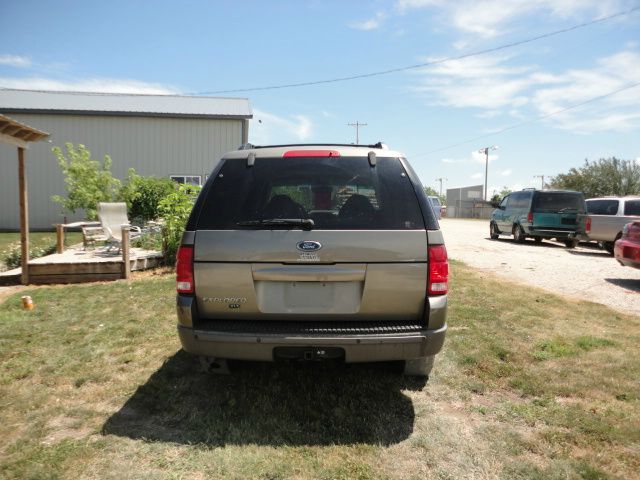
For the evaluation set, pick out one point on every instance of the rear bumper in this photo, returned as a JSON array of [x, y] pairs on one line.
[[556, 233], [357, 348]]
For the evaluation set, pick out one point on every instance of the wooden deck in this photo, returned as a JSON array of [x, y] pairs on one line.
[[76, 265]]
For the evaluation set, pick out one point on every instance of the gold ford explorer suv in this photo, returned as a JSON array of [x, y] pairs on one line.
[[313, 252]]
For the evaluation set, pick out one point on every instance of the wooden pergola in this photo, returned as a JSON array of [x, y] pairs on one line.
[[20, 135]]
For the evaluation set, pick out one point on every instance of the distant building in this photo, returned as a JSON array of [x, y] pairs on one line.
[[161, 135], [466, 202]]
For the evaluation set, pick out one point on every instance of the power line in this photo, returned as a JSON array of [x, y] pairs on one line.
[[426, 64], [536, 119]]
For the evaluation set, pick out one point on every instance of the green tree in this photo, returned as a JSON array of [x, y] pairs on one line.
[[607, 176], [175, 209], [498, 196], [87, 181], [143, 195]]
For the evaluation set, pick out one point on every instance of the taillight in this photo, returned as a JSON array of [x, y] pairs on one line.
[[530, 217], [184, 270], [587, 225], [438, 270], [311, 153]]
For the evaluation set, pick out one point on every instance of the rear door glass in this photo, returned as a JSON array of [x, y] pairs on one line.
[[558, 202], [632, 207], [602, 207], [337, 193]]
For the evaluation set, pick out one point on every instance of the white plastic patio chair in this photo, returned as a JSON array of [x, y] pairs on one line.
[[113, 216]]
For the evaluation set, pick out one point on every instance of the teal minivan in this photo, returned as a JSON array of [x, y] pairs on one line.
[[541, 214]]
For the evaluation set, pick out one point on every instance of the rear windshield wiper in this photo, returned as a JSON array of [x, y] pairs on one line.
[[562, 210], [303, 223]]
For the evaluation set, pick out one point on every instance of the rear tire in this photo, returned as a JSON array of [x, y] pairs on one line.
[[494, 233], [419, 367], [609, 246], [518, 234], [571, 243]]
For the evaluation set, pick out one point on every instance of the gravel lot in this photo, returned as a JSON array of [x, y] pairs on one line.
[[585, 272]]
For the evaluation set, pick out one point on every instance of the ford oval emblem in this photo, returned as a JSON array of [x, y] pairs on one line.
[[308, 246]]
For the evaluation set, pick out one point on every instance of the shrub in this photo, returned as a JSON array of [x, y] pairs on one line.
[[143, 195], [87, 181], [175, 209], [13, 257]]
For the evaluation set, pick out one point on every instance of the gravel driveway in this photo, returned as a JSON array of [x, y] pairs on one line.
[[583, 273]]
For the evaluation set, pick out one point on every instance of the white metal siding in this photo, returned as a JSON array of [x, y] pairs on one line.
[[152, 146]]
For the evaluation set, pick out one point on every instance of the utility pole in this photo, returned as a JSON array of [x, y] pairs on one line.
[[440, 180], [485, 150], [357, 125], [542, 178]]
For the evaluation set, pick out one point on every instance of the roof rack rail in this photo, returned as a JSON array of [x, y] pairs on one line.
[[378, 145]]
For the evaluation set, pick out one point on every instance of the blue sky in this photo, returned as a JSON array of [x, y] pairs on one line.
[[192, 47]]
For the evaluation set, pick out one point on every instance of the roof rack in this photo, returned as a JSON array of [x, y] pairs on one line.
[[379, 145]]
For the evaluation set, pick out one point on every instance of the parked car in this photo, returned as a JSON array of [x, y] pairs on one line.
[[608, 217], [310, 253], [437, 206], [627, 247], [541, 214]]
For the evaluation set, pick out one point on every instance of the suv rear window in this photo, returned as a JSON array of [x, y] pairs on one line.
[[337, 193], [558, 201], [602, 207]]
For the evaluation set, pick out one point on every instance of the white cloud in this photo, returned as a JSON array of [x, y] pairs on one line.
[[484, 82], [506, 173], [105, 85], [477, 176], [403, 5], [15, 61], [447, 160], [267, 128], [370, 23], [460, 45], [489, 114], [491, 83], [618, 112], [489, 18]]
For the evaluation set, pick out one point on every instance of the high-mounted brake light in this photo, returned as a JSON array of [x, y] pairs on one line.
[[438, 270], [311, 153], [184, 270]]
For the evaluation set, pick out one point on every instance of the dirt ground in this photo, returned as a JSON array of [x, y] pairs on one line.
[[585, 272]]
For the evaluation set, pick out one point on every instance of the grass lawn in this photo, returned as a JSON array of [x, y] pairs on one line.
[[529, 385]]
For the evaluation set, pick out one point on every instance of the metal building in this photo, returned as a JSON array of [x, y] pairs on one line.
[[160, 135], [467, 202]]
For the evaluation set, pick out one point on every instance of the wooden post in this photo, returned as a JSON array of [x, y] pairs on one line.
[[24, 216], [59, 238], [126, 246]]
